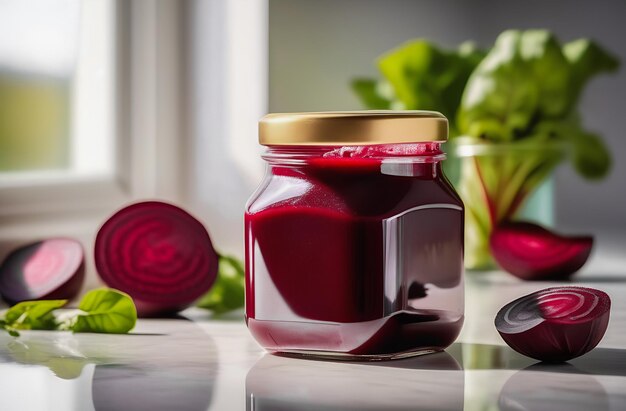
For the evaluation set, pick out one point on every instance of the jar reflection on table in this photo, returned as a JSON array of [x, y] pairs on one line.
[[434, 382]]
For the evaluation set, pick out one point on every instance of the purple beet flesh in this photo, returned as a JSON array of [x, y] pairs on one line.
[[45, 270], [555, 324], [531, 252], [158, 254]]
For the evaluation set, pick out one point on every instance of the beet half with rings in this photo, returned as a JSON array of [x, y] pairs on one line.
[[157, 253], [555, 324], [45, 270]]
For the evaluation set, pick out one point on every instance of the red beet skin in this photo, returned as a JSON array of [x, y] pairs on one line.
[[158, 254], [555, 324], [45, 270], [531, 252]]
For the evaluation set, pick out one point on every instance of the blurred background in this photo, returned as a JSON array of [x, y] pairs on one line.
[[106, 102], [316, 48]]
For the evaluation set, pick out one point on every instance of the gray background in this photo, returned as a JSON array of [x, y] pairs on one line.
[[316, 47]]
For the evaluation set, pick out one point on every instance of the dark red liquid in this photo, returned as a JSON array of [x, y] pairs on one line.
[[354, 256]]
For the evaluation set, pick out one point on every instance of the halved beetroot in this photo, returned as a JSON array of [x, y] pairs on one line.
[[531, 252], [158, 254], [48, 269], [555, 324]]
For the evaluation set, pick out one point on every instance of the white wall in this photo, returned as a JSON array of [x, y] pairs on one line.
[[316, 47]]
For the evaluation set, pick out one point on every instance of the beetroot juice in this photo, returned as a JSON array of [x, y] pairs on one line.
[[354, 250]]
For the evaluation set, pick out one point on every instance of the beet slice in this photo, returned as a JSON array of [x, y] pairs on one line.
[[45, 270], [158, 254], [555, 324], [531, 252]]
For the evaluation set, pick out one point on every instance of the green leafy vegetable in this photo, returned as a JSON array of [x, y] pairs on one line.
[[586, 60], [106, 311], [518, 101], [227, 293], [426, 77], [419, 75], [528, 84], [33, 315], [589, 154], [103, 310], [369, 93], [528, 78], [549, 69], [501, 97]]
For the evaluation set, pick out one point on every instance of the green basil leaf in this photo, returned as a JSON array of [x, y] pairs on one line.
[[228, 292], [106, 311], [33, 315], [11, 331]]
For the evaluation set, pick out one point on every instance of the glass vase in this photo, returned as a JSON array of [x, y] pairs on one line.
[[500, 182]]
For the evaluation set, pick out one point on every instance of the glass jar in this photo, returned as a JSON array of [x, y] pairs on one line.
[[354, 239]]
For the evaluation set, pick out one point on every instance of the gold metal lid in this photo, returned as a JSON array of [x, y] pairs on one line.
[[340, 128]]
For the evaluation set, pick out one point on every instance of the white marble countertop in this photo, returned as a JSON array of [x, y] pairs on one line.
[[200, 363]]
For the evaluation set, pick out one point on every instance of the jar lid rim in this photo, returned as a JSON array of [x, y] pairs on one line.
[[353, 127]]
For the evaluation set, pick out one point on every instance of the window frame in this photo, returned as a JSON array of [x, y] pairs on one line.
[[191, 83], [147, 126]]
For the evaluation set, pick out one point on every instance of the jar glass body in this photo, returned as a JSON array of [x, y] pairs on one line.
[[355, 252]]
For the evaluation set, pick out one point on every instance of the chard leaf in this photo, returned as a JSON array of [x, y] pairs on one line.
[[33, 315], [470, 53], [525, 79], [591, 158], [106, 311], [526, 88], [227, 293], [549, 68], [587, 59], [368, 92], [501, 96], [425, 77]]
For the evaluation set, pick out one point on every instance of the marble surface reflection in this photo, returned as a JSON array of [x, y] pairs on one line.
[[538, 390], [499, 378], [206, 364], [466, 377], [147, 370], [432, 382]]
